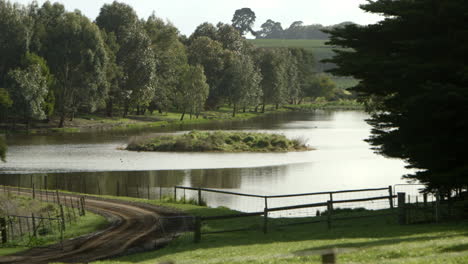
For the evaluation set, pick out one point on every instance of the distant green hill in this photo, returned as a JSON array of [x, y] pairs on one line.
[[316, 46]]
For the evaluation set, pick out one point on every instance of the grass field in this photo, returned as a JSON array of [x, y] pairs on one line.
[[372, 240]]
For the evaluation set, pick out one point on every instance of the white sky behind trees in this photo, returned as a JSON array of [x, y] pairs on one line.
[[186, 15]]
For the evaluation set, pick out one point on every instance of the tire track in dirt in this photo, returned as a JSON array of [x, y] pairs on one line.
[[133, 227]]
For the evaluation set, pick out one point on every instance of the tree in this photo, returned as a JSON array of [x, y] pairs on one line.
[[77, 58], [170, 57], [29, 87], [135, 55], [193, 90], [242, 81], [413, 66], [204, 30], [272, 63], [270, 29], [243, 20], [211, 55]]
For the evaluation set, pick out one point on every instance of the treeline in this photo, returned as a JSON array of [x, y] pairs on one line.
[[297, 30], [56, 64]]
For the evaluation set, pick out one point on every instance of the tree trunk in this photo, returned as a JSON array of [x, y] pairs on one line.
[[243, 109], [263, 108], [160, 110], [234, 109], [72, 116], [109, 108], [277, 106], [182, 117], [256, 109], [125, 113], [62, 120]]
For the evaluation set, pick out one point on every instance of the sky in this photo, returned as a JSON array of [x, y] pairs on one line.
[[186, 15]]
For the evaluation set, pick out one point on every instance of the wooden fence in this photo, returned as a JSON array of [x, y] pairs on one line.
[[329, 204]]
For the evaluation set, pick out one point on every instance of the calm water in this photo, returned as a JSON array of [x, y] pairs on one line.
[[94, 163]]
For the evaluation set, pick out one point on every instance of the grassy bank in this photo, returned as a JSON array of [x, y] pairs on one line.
[[22, 205], [368, 240], [324, 105], [218, 141], [97, 122]]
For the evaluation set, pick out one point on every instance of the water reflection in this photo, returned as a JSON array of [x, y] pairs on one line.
[[92, 162]]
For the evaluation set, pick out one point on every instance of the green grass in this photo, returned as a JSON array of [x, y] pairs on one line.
[[371, 240], [218, 141], [84, 225], [341, 104], [368, 240]]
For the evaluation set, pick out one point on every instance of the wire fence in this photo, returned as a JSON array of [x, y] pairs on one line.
[[30, 217]]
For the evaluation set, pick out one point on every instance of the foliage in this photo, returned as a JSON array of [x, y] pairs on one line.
[[192, 91], [243, 20], [219, 141], [421, 95], [122, 64], [29, 87]]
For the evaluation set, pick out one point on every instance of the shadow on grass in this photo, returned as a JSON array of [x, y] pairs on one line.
[[379, 231]]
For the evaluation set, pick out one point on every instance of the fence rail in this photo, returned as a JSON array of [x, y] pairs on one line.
[[267, 210]]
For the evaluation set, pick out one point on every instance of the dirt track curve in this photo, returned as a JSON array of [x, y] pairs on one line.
[[133, 227]]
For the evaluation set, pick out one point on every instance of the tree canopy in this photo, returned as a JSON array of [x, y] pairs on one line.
[[56, 64], [412, 72]]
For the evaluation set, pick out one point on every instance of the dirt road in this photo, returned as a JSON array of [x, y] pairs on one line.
[[133, 227]]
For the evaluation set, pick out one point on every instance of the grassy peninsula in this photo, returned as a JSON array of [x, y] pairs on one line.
[[218, 141]]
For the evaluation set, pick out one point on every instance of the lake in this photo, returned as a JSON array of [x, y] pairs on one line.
[[93, 162]]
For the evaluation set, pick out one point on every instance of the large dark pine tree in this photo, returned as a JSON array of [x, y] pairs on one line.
[[412, 71]]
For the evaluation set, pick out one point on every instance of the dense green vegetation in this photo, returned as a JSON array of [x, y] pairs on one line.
[[417, 96], [218, 141], [368, 240], [55, 65]]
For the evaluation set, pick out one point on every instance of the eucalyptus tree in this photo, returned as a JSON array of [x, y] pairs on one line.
[[242, 82], [204, 30], [135, 56], [170, 57], [29, 87], [211, 55], [192, 91], [273, 67], [77, 58]]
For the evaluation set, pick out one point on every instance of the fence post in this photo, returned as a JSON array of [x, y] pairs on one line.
[[118, 188], [138, 191], [265, 220], [62, 217], [148, 190], [331, 200], [401, 208], [34, 225], [3, 229], [199, 196], [329, 257], [33, 192], [329, 213], [175, 194], [197, 233], [82, 201], [390, 198], [437, 208], [58, 197]]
